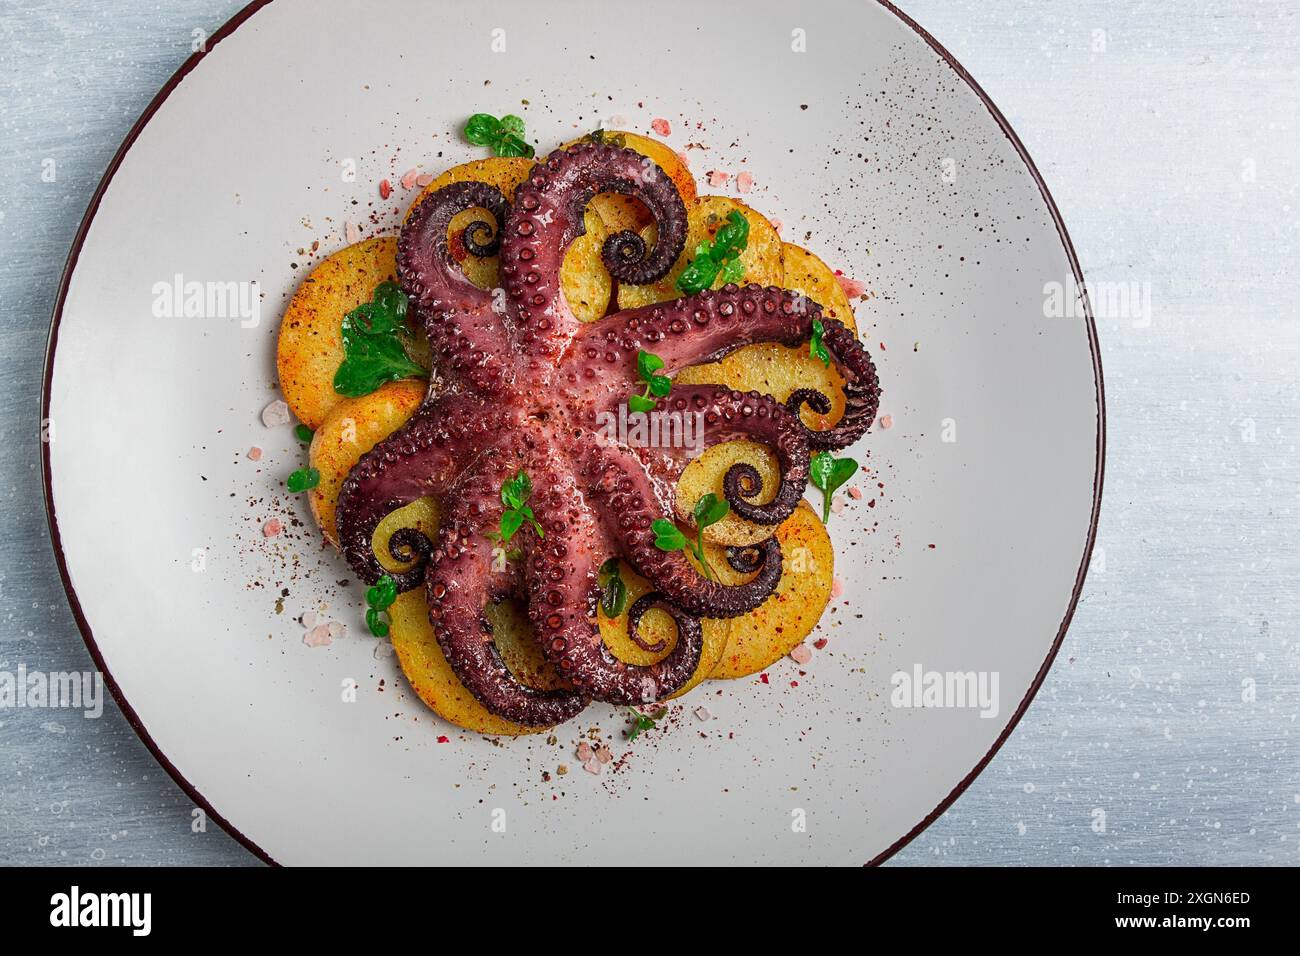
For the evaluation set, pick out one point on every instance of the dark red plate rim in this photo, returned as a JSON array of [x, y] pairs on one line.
[[84, 625]]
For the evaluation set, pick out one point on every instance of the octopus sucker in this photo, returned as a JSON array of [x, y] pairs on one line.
[[518, 384]]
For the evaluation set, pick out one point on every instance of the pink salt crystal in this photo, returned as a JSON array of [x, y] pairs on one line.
[[855, 493], [272, 528], [661, 126], [801, 653], [703, 713], [584, 751], [337, 629], [717, 177], [254, 454], [603, 755], [686, 160], [409, 177], [591, 766], [777, 224], [277, 413], [820, 643], [308, 619], [617, 121], [837, 587], [351, 232], [383, 650], [423, 179], [318, 636], [837, 505], [886, 421], [744, 182], [852, 287]]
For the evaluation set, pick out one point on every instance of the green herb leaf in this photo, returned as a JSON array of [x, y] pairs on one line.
[[668, 537], [642, 722], [710, 510], [373, 352], [512, 124], [514, 493], [483, 129], [377, 625], [829, 473], [647, 363], [698, 275], [304, 479], [514, 146], [382, 594], [721, 257], [511, 521], [815, 346], [304, 434], [505, 136], [733, 271], [613, 598]]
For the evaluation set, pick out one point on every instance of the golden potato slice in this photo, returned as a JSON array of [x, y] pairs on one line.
[[505, 173], [769, 632], [586, 283], [436, 683], [705, 474], [806, 273], [762, 255], [310, 348], [658, 626], [351, 429]]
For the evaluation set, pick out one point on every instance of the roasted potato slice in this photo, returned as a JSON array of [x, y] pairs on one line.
[[351, 429], [310, 347], [657, 626], [769, 632], [436, 683], [586, 283], [762, 255], [705, 474]]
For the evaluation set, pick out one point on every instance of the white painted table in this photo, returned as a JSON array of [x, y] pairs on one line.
[[1167, 133]]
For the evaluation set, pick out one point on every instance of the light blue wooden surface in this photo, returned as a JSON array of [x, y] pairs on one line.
[[1167, 133]]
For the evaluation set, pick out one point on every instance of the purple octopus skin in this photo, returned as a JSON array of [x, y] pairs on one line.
[[517, 385], [463, 578]]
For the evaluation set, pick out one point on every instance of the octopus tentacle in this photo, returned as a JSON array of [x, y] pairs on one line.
[[464, 331], [727, 415], [628, 500], [710, 325], [548, 216], [561, 579], [420, 459], [460, 585]]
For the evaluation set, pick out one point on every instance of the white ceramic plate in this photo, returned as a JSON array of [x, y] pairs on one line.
[[872, 144]]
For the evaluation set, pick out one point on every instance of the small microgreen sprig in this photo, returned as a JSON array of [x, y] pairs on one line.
[[719, 258], [816, 347], [304, 434], [373, 352], [504, 136], [379, 598], [641, 722], [304, 479], [647, 364], [613, 596], [514, 495], [829, 473], [709, 510]]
